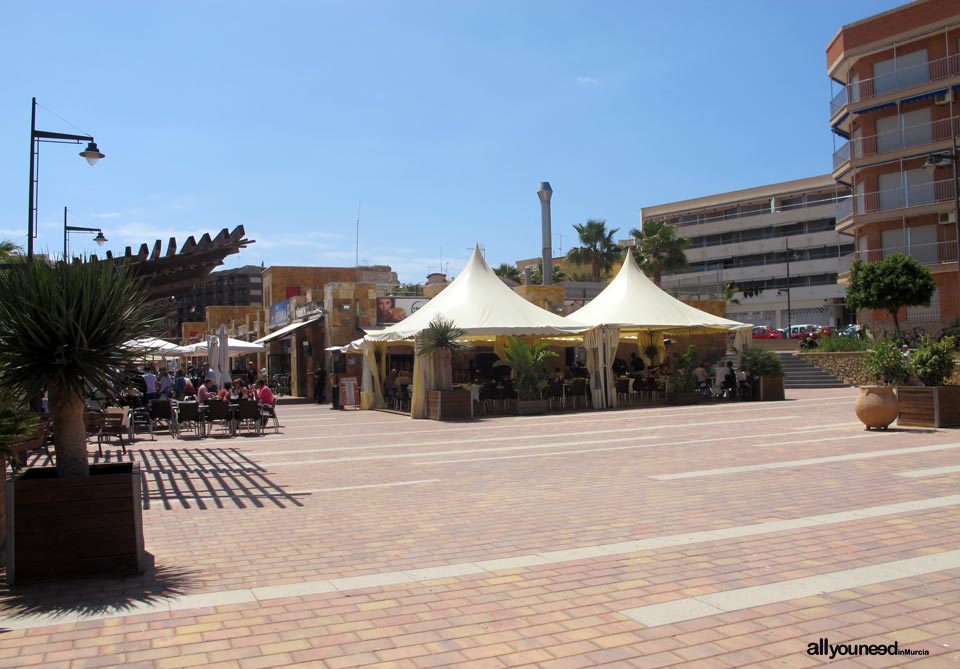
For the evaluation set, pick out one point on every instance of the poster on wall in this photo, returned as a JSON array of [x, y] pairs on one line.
[[395, 309]]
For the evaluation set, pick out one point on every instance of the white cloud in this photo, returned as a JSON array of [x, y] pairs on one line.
[[588, 81]]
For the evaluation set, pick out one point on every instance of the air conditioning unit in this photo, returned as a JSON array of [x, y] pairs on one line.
[[944, 99], [949, 217]]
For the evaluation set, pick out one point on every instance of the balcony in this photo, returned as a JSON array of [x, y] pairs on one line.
[[898, 80], [902, 138], [934, 253], [895, 198]]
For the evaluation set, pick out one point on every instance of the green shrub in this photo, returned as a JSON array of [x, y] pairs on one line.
[[683, 379], [761, 362], [836, 344], [933, 362], [884, 364]]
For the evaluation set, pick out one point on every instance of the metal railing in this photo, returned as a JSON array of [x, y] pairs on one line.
[[931, 253], [902, 138], [898, 80], [737, 211], [896, 198]]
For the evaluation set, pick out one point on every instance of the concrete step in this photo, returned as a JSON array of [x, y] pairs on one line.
[[798, 373]]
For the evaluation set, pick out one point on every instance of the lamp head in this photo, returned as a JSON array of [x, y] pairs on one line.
[[545, 192], [92, 153], [100, 239]]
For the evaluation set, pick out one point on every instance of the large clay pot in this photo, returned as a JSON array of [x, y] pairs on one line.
[[877, 406]]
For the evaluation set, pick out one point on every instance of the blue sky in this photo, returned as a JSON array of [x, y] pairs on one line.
[[438, 118]]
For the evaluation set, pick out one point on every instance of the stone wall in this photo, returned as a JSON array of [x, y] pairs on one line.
[[846, 366], [545, 297]]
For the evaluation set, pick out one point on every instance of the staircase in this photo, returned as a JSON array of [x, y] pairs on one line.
[[798, 373]]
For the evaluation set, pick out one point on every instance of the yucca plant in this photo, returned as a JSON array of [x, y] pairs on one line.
[[62, 328], [441, 339], [529, 365], [16, 420]]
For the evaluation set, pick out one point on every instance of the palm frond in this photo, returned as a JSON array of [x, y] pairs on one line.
[[440, 334]]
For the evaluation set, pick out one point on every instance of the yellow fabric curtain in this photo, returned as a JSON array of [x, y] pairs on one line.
[[611, 339], [371, 395], [593, 342], [422, 372]]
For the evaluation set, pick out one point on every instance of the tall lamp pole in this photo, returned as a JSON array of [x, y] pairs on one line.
[[786, 244], [91, 153], [99, 239]]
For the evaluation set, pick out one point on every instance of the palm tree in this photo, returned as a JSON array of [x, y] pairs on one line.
[[62, 328], [597, 247], [529, 365], [507, 271], [728, 292], [441, 339], [7, 249], [658, 249], [536, 276]]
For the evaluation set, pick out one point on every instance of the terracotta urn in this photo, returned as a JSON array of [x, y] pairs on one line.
[[877, 406]]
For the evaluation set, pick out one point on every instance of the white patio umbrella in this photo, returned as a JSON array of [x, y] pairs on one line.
[[157, 347], [235, 346], [223, 361]]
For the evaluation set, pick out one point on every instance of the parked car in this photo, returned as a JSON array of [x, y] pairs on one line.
[[801, 331], [825, 330], [852, 330], [763, 332]]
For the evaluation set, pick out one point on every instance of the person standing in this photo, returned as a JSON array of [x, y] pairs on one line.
[[151, 384], [320, 384]]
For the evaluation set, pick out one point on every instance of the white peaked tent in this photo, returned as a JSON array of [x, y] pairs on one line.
[[481, 305], [632, 303]]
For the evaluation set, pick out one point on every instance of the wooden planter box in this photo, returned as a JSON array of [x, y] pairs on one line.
[[929, 406], [531, 407], [59, 528], [449, 404], [769, 389], [684, 397]]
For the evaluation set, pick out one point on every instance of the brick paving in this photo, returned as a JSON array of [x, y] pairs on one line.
[[382, 531]]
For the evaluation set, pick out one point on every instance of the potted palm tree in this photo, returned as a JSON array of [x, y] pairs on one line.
[[62, 329], [931, 404], [884, 365], [529, 365], [765, 368], [438, 342], [683, 380]]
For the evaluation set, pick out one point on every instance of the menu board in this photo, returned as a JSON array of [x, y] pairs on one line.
[[349, 392]]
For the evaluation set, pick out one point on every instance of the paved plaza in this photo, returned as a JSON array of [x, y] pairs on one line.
[[717, 535]]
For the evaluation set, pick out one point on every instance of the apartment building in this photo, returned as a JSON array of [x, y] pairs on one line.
[[776, 243], [239, 286], [894, 115]]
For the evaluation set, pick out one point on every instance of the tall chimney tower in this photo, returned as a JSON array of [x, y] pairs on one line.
[[545, 193]]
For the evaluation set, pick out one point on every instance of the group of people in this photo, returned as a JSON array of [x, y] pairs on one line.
[[726, 379], [199, 384]]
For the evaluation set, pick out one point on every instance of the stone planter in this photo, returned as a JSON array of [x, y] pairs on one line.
[[876, 407], [449, 404], [61, 528], [531, 407], [929, 406]]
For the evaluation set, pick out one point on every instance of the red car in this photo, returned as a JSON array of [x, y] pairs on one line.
[[763, 332]]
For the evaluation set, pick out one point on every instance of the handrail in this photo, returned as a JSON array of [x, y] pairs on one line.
[[898, 80], [738, 212], [901, 138], [930, 253], [896, 198]]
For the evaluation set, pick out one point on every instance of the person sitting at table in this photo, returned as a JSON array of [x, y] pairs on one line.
[[390, 385], [636, 364], [620, 367], [179, 385], [266, 399], [204, 393], [225, 390], [237, 390]]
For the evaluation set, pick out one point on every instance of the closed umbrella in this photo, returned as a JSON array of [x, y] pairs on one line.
[[224, 358], [213, 358]]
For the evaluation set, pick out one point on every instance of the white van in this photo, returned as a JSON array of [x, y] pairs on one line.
[[800, 331]]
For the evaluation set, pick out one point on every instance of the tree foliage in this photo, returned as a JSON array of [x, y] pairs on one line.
[[63, 329], [507, 271], [529, 365], [597, 247], [933, 362], [890, 284], [658, 249], [536, 276]]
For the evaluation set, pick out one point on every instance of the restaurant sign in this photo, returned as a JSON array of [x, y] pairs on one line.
[[280, 314], [311, 308]]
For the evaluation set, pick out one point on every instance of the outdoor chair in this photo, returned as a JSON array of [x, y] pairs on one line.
[[268, 411], [507, 393], [401, 400], [163, 415], [578, 391], [34, 441], [219, 410], [95, 423], [490, 394], [623, 390], [248, 413], [188, 417], [555, 393]]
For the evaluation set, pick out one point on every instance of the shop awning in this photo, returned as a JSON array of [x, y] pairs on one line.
[[287, 330]]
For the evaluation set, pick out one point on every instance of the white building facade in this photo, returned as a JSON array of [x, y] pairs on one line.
[[777, 244]]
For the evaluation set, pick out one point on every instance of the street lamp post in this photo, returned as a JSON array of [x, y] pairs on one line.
[[786, 244], [91, 153], [99, 239]]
